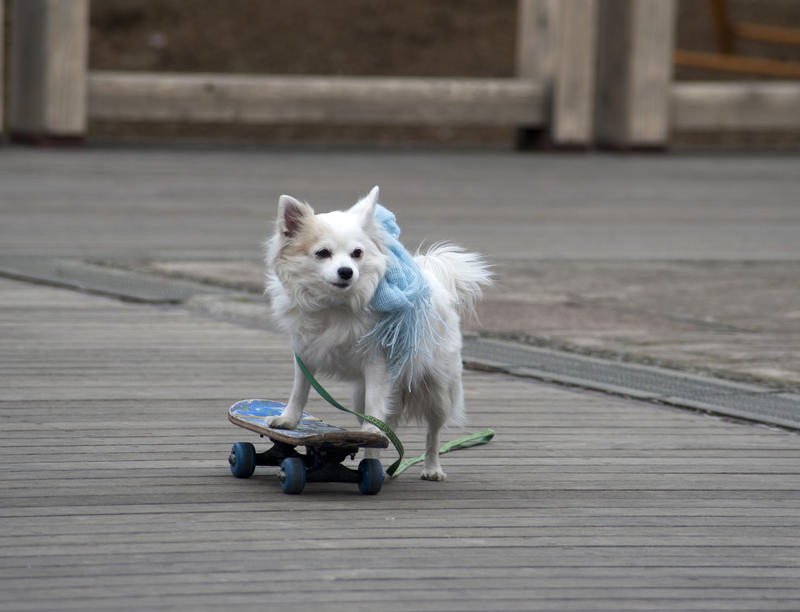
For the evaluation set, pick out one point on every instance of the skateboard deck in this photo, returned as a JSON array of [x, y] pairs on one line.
[[327, 446], [254, 415]]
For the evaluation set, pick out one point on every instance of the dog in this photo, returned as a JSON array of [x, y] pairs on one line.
[[324, 275]]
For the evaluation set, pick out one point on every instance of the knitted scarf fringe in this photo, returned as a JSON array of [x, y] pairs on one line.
[[403, 298]]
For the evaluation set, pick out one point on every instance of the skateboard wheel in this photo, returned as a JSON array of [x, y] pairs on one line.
[[292, 475], [242, 460], [371, 471]]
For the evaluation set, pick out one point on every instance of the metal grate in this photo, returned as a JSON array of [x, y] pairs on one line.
[[644, 382], [102, 280]]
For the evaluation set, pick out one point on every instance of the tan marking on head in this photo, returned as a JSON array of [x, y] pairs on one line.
[[309, 234]]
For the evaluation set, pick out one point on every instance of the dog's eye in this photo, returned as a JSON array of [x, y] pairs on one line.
[[356, 254], [323, 254]]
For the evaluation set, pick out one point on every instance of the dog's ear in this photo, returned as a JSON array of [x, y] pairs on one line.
[[292, 214], [365, 208]]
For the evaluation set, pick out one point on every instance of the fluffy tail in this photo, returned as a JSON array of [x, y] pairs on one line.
[[462, 274]]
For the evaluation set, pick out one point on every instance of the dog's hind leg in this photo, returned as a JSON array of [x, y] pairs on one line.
[[434, 403], [440, 404], [432, 469]]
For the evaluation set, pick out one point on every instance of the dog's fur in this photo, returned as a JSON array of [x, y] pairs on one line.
[[322, 270]]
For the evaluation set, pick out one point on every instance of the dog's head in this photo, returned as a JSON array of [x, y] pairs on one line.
[[330, 259]]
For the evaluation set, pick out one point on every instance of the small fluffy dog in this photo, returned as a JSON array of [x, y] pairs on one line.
[[325, 275]]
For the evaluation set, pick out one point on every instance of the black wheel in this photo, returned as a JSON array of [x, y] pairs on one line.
[[242, 459], [292, 475], [371, 476]]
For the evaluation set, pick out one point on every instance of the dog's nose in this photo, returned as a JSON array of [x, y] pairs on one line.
[[345, 273]]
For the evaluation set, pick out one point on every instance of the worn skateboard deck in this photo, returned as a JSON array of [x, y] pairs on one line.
[[326, 447], [254, 414]]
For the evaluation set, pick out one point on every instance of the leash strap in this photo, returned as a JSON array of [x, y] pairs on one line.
[[370, 419], [399, 466], [481, 437]]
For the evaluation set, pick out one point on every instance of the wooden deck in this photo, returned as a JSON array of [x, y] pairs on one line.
[[115, 492]]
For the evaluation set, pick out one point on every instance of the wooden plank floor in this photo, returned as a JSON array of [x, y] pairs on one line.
[[115, 492]]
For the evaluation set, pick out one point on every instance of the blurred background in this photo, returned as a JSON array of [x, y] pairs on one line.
[[712, 41]]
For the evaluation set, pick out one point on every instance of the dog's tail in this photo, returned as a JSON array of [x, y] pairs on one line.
[[462, 273]]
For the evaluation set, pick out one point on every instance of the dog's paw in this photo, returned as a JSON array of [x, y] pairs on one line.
[[282, 422], [437, 474], [368, 427]]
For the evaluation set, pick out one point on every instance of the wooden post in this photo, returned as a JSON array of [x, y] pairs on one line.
[[48, 69], [722, 26], [634, 72], [536, 39], [2, 68], [537, 23], [574, 85]]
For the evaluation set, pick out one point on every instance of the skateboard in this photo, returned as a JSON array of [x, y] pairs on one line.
[[326, 447]]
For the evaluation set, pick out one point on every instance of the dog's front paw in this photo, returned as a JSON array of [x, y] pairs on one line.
[[282, 422], [433, 474], [368, 427]]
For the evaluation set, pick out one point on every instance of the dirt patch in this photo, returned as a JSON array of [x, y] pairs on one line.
[[736, 319]]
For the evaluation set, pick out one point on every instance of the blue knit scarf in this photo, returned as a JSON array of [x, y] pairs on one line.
[[403, 298]]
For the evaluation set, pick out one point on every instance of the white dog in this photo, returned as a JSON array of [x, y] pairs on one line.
[[358, 307]]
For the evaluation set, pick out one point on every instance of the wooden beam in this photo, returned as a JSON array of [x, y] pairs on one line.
[[738, 63], [766, 33], [755, 105], [48, 68], [129, 96], [634, 72], [573, 88]]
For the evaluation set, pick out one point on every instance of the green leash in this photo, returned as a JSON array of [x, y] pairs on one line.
[[482, 437], [370, 419]]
